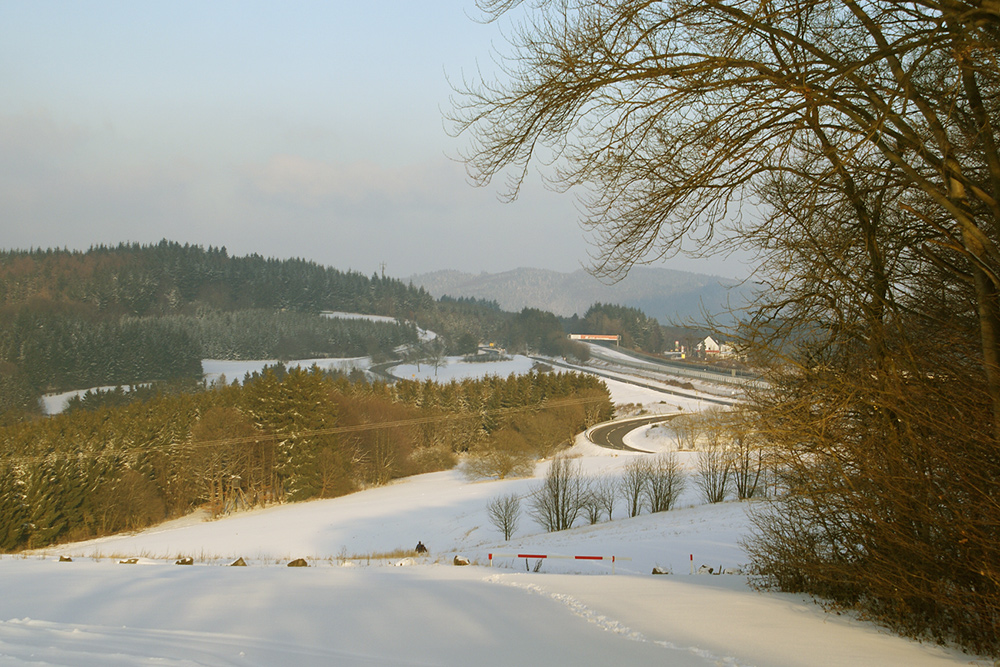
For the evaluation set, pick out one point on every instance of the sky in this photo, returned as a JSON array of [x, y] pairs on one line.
[[304, 129]]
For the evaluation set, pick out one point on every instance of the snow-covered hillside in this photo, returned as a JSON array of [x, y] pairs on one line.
[[349, 609]]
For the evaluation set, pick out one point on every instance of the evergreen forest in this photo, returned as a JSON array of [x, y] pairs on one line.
[[136, 314], [281, 436], [163, 442]]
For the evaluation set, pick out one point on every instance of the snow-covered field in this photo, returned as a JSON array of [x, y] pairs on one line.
[[235, 371], [347, 609], [456, 369]]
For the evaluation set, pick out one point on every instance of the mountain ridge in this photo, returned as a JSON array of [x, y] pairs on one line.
[[668, 295]]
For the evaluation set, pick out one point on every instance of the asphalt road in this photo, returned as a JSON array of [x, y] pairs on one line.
[[702, 396], [612, 434]]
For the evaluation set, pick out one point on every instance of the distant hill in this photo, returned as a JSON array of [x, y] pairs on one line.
[[664, 294]]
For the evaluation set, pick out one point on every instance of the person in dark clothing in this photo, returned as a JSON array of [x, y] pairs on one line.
[[421, 549]]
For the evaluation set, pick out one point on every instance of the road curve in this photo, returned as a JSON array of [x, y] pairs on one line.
[[611, 435]]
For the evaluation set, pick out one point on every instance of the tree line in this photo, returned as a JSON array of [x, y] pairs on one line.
[[281, 436], [638, 331], [51, 350], [139, 313], [131, 314], [167, 277]]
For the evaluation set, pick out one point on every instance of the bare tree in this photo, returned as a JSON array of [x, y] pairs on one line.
[[866, 132], [437, 356], [667, 115], [714, 468], [505, 512], [633, 482], [686, 430], [592, 510], [603, 495], [748, 458], [664, 482], [556, 504]]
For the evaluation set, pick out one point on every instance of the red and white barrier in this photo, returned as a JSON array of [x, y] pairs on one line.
[[613, 559]]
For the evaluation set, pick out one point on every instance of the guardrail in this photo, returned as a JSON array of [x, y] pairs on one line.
[[733, 376], [530, 556]]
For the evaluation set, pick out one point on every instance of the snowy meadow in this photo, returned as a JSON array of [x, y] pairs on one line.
[[360, 603]]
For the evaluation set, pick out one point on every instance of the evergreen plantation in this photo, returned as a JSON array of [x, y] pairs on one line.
[[281, 436], [135, 314]]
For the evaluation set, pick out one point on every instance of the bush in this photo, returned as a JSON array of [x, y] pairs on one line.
[[505, 454], [633, 483], [601, 496], [714, 468]]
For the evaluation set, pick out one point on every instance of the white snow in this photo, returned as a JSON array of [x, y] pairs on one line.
[[457, 369], [53, 404], [235, 371], [95, 611], [351, 609]]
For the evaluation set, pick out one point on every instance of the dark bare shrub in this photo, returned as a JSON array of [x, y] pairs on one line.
[[602, 495], [504, 513], [632, 483], [714, 468], [556, 504], [664, 482]]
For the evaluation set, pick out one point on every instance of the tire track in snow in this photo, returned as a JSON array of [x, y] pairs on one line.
[[609, 624]]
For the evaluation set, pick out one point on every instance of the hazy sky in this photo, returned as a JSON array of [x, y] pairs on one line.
[[292, 129]]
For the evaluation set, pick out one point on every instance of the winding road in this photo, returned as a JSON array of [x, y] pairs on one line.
[[611, 435]]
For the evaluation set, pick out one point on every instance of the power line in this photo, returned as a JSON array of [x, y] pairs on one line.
[[334, 430]]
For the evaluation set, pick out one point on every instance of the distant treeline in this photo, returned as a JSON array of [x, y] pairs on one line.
[[134, 279], [133, 314], [282, 436], [139, 313], [58, 351]]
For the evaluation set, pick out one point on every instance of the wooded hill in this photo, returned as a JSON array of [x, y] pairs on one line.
[[134, 314], [281, 436]]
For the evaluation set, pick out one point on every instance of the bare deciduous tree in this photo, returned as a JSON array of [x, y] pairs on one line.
[[687, 430], [748, 458], [633, 483], [603, 495], [505, 512], [664, 482], [667, 115], [714, 468], [556, 504], [866, 131]]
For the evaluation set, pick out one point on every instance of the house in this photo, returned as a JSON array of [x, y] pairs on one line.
[[712, 347]]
